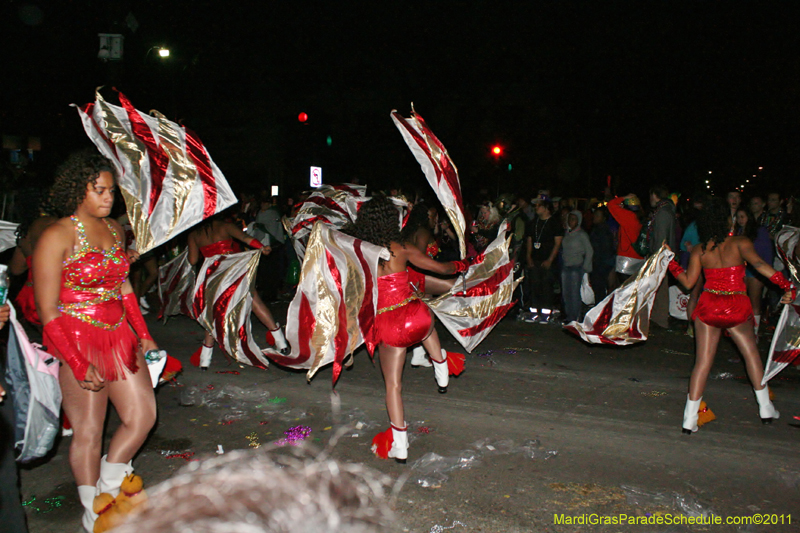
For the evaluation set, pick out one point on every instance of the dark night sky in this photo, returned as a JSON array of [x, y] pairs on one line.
[[644, 91]]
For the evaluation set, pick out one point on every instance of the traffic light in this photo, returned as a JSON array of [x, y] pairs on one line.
[[302, 117], [497, 150]]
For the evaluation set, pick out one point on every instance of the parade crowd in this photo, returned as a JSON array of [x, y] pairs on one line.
[[83, 288]]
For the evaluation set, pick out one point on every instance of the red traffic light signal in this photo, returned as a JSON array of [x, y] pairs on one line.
[[497, 150], [302, 117]]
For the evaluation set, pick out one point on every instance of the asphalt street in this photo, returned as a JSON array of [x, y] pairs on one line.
[[540, 433]]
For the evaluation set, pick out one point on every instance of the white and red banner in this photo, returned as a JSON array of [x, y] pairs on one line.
[[785, 347], [333, 310], [222, 304], [176, 281], [481, 297], [166, 175], [623, 317], [438, 168], [333, 205]]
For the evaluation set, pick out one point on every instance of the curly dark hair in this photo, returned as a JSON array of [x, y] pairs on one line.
[[378, 222], [72, 178], [714, 223], [418, 218]]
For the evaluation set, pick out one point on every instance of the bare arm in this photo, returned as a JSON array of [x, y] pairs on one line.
[[422, 261], [53, 247], [235, 232], [194, 250], [17, 265], [689, 278]]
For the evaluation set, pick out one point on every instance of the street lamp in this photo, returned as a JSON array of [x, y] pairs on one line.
[[162, 52]]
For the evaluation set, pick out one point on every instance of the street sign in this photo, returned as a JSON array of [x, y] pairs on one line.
[[316, 177]]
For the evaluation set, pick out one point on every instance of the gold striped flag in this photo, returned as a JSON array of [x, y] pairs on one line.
[[333, 310], [438, 168], [166, 175]]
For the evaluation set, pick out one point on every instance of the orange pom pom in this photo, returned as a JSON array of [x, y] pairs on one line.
[[704, 414], [455, 363], [382, 443], [132, 490], [107, 513], [195, 358], [102, 503]]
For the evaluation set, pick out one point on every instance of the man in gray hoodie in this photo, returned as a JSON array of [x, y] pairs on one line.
[[577, 257], [663, 224]]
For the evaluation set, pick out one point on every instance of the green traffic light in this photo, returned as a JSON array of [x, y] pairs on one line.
[[509, 167], [329, 140]]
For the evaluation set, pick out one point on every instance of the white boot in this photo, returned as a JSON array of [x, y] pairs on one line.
[[419, 357], [690, 415], [756, 324], [86, 493], [205, 357], [441, 372], [766, 410], [111, 476], [280, 341], [399, 450]]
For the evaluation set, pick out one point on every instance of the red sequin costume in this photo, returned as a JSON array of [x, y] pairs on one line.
[[25, 301], [403, 319], [91, 307], [724, 302], [228, 246]]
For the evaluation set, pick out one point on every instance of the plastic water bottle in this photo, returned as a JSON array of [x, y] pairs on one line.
[[3, 284]]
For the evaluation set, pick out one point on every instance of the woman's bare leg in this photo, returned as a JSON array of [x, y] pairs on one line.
[[392, 361], [754, 291], [745, 340], [135, 403], [208, 340], [433, 346], [86, 411], [706, 342], [262, 312]]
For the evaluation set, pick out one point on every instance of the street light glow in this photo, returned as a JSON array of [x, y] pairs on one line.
[[163, 52]]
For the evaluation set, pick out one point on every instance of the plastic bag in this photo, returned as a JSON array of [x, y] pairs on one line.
[[587, 293]]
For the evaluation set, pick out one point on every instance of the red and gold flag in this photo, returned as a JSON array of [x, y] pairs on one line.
[[222, 304], [438, 168], [333, 310], [785, 347], [482, 297], [176, 281], [623, 317], [166, 175]]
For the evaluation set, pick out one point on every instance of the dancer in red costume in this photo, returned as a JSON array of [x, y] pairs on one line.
[[724, 305], [402, 318], [27, 236], [93, 324], [218, 237], [419, 232]]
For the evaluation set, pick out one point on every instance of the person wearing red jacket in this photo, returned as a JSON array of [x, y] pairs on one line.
[[627, 211]]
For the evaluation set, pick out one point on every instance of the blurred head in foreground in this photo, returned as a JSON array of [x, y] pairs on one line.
[[253, 491]]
